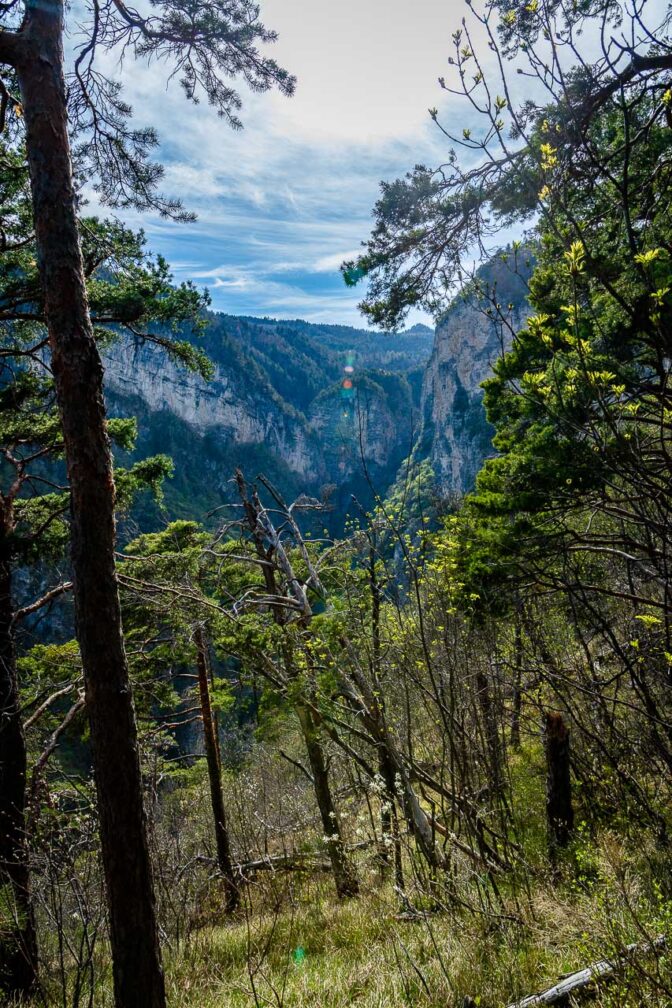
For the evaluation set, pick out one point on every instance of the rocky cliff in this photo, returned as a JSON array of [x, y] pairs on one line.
[[234, 407], [365, 431], [326, 410], [318, 409], [475, 330]]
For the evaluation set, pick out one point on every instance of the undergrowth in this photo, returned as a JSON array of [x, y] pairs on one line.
[[294, 945]]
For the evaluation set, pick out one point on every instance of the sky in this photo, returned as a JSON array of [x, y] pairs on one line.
[[284, 201], [281, 203]]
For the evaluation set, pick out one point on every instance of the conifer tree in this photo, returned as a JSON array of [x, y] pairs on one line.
[[169, 579], [131, 294], [205, 44]]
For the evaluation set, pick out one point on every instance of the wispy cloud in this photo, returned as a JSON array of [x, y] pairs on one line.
[[330, 263], [283, 202]]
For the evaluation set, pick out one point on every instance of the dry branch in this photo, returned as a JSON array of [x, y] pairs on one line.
[[582, 982]]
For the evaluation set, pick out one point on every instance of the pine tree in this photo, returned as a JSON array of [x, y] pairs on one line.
[[130, 294], [205, 44]]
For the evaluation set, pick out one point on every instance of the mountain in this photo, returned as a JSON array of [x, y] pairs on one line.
[[327, 410], [322, 409], [455, 436]]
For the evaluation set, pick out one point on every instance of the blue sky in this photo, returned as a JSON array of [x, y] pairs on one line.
[[282, 202]]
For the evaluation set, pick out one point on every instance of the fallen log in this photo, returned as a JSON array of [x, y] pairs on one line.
[[298, 861], [311, 860], [581, 983], [284, 862]]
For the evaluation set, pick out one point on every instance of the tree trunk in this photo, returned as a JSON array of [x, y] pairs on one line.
[[345, 879], [18, 948], [389, 821], [385, 828], [224, 860], [367, 707], [517, 698], [559, 810], [78, 374], [490, 729]]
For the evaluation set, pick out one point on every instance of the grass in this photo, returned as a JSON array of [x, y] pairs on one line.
[[293, 944], [313, 951]]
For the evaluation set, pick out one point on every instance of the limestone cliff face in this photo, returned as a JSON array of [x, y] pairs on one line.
[[276, 404], [229, 406], [369, 424], [455, 434]]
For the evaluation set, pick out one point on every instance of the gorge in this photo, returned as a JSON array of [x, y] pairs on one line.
[[327, 410]]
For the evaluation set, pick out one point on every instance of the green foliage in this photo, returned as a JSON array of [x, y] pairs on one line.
[[130, 291], [131, 295], [579, 403], [149, 474], [423, 647], [49, 663]]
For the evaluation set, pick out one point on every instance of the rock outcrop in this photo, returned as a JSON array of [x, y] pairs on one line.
[[325, 409], [455, 436], [313, 407], [230, 407]]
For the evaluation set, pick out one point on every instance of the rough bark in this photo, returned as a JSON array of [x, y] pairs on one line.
[[559, 809], [212, 757], [18, 948], [78, 374]]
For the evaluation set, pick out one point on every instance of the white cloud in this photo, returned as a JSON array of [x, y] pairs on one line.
[[330, 263], [284, 201], [292, 193], [367, 69]]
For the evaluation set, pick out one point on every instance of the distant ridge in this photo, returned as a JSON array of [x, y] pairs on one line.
[[419, 329], [316, 407]]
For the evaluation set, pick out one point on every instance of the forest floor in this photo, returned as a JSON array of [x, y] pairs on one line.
[[457, 940], [313, 951]]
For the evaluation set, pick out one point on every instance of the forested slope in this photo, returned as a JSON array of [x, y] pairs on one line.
[[418, 753]]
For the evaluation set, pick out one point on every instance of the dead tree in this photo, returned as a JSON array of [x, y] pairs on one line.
[[213, 760], [276, 565], [583, 983]]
